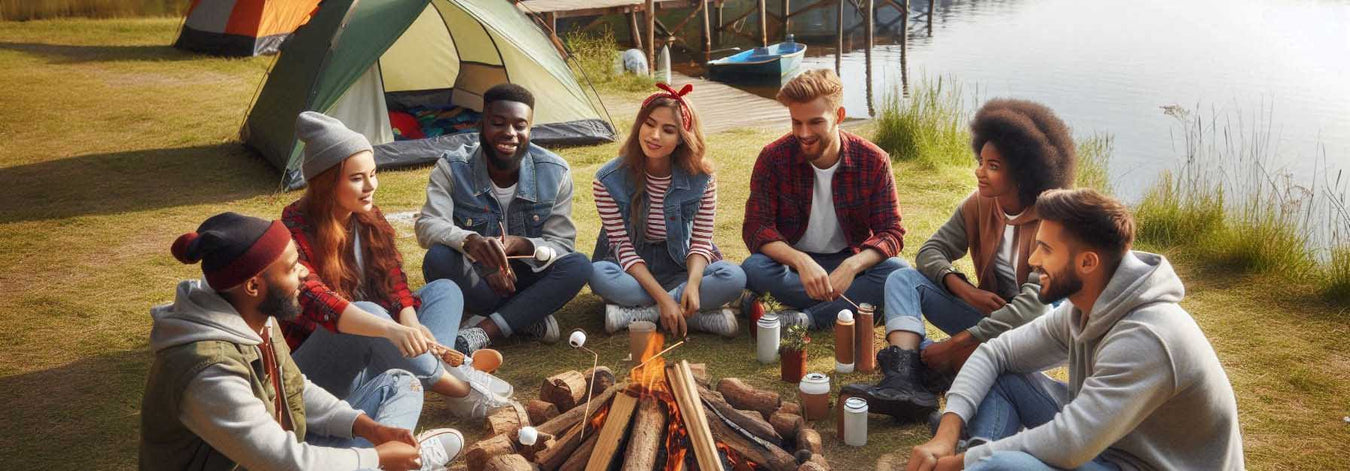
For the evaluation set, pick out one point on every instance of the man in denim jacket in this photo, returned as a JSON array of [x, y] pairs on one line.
[[498, 222]]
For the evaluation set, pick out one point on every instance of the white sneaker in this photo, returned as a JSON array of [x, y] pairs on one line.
[[476, 405], [482, 380], [788, 318], [721, 322], [618, 317], [546, 330], [440, 447]]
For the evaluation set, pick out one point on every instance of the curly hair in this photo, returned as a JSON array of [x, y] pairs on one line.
[[1035, 144]]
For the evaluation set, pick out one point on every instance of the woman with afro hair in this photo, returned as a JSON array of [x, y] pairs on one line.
[[1021, 149]]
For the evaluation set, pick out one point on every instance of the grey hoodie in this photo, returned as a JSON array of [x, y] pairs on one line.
[[1146, 389], [220, 407]]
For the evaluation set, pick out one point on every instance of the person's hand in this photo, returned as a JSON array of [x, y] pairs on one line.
[[925, 457], [502, 282], [949, 355], [689, 301], [377, 433], [517, 245], [399, 456], [951, 463], [840, 279], [487, 251], [983, 301], [410, 342], [814, 279], [672, 317]]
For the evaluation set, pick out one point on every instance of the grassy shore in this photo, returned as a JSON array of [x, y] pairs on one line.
[[116, 143]]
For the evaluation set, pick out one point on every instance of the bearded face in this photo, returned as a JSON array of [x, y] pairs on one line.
[[283, 306]]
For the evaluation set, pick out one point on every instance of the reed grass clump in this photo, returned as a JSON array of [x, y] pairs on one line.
[[1094, 159], [597, 56], [930, 125]]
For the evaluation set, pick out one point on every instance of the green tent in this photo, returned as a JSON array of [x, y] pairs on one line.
[[359, 60]]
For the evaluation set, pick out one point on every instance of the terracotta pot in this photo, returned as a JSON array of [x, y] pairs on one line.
[[792, 365]]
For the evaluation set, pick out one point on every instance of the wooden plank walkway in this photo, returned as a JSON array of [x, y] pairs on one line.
[[724, 107]]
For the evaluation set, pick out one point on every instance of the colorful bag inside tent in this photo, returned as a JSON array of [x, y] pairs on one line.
[[360, 61], [242, 27]]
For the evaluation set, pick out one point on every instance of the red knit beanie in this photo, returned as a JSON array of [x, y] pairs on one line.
[[232, 248]]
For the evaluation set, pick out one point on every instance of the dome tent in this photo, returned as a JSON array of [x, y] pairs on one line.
[[241, 27], [357, 60]]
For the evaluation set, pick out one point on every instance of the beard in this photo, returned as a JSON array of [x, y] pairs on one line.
[[497, 161], [1061, 286], [282, 307]]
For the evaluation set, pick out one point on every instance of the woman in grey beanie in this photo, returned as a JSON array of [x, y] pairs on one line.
[[356, 270]]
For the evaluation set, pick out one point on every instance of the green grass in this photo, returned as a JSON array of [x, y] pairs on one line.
[[928, 126], [596, 54], [116, 143], [1094, 159]]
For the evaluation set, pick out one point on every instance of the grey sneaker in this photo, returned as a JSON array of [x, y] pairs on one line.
[[471, 339], [788, 318], [483, 381], [546, 330], [440, 447], [618, 317], [721, 322], [476, 405]]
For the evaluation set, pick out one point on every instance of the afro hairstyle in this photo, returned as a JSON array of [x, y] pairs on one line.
[[1035, 144], [508, 92]]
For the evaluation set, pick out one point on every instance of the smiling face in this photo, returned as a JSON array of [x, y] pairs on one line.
[[355, 190], [815, 123], [993, 175], [506, 133], [660, 133], [1058, 261]]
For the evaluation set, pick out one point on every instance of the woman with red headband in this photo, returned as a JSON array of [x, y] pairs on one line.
[[655, 260]]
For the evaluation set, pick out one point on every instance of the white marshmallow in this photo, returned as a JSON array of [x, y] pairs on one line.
[[577, 339], [845, 316], [527, 436]]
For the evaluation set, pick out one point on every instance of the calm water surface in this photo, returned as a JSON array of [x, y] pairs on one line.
[[1111, 67]]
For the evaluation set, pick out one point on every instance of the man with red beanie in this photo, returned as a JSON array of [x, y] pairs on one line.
[[223, 392]]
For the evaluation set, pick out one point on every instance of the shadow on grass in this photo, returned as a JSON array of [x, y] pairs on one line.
[[118, 182], [87, 412], [74, 54]]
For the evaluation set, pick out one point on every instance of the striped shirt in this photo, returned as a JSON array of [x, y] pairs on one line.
[[700, 239]]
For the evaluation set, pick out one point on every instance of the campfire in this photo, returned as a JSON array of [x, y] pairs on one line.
[[665, 417]]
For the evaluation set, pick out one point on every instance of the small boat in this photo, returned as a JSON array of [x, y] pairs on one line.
[[772, 62]]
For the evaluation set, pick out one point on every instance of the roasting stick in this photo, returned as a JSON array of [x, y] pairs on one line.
[[850, 301], [578, 341]]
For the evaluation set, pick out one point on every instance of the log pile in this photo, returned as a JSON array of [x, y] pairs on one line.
[[678, 419]]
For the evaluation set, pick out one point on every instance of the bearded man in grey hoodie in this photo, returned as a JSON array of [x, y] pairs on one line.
[[223, 392], [1146, 390]]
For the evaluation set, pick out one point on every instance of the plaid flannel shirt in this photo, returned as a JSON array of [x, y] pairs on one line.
[[320, 305], [864, 196]]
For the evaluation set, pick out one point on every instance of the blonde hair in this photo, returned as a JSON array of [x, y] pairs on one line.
[[813, 84]]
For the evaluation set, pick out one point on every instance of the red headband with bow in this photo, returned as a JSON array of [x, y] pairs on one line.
[[678, 96]]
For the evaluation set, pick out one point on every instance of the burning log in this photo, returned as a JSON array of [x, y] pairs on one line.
[[541, 411], [747, 420], [577, 462], [506, 419], [565, 390], [786, 424], [645, 441], [809, 439], [770, 456], [564, 422], [509, 463], [742, 396], [603, 379], [691, 408], [612, 433]]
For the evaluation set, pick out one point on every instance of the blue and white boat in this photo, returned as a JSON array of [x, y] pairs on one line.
[[761, 63]]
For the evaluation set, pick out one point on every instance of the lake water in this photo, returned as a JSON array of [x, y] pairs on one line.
[[1111, 67]]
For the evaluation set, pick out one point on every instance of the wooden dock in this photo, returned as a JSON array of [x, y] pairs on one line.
[[722, 107]]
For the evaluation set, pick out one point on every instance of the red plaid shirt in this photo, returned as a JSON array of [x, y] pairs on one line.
[[864, 196], [320, 305]]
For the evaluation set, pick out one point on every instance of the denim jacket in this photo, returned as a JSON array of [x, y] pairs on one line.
[[681, 207], [460, 202]]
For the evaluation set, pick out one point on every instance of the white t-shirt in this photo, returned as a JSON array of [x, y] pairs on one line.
[[823, 232], [1005, 264], [356, 249], [504, 197]]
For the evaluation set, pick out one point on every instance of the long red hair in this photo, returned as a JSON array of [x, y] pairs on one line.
[[689, 155], [332, 243]]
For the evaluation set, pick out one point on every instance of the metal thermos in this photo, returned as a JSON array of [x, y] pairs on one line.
[[866, 353], [855, 422], [766, 338], [843, 342], [815, 396]]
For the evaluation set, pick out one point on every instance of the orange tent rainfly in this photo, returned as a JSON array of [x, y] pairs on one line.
[[242, 27]]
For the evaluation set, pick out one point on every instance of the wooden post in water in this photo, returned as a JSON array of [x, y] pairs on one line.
[[869, 32], [763, 25], [720, 25], [634, 30], [839, 39], [931, 4], [651, 37], [787, 20], [904, 24], [707, 32]]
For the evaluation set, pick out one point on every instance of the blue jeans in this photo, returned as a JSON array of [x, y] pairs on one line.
[[340, 363], [911, 296], [1017, 402], [722, 283], [392, 398], [763, 274], [538, 294]]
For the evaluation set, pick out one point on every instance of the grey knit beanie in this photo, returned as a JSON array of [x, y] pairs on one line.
[[327, 142]]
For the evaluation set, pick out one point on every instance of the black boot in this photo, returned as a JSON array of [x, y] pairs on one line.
[[900, 393]]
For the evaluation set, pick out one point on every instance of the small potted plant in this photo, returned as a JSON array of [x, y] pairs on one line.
[[792, 354], [757, 307]]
